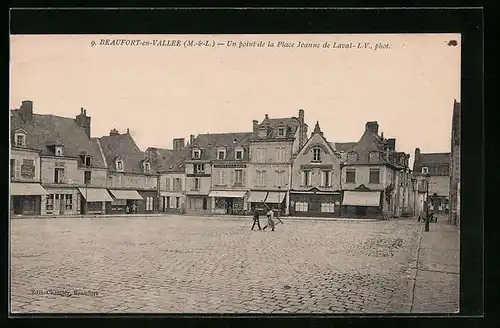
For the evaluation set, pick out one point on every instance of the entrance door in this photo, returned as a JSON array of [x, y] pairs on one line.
[[229, 205], [18, 204]]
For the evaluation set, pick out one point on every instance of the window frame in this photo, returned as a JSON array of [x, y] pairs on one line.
[[196, 153], [372, 181], [219, 152], [196, 183], [147, 167], [120, 166], [236, 182], [281, 131], [350, 172], [236, 154], [373, 159], [317, 151]]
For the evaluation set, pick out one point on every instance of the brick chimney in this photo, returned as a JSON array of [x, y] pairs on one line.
[[83, 121], [26, 110], [266, 117], [113, 132], [191, 140], [392, 144], [302, 129], [372, 127], [179, 144], [417, 155], [255, 126]]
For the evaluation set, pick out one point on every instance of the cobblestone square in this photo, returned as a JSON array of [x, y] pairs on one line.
[[193, 265]]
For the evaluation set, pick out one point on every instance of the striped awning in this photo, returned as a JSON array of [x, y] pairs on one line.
[[275, 197], [95, 195], [361, 198], [257, 196], [125, 194], [27, 189]]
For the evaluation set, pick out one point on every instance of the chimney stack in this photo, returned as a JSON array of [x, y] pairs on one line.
[[302, 129], [372, 127], [113, 132], [267, 117], [179, 144], [26, 110], [255, 126], [417, 155], [392, 144], [83, 121], [191, 140]]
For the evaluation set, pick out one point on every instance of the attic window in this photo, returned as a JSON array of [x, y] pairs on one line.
[[238, 154], [171, 166], [58, 151], [85, 160], [196, 154], [374, 157], [147, 167], [20, 139], [221, 154], [352, 157], [281, 131], [119, 165]]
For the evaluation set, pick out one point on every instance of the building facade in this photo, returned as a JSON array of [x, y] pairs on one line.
[[273, 145], [132, 180], [436, 166], [70, 163], [455, 165], [315, 178], [371, 177]]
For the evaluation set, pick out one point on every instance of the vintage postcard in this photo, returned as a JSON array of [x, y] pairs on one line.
[[292, 173]]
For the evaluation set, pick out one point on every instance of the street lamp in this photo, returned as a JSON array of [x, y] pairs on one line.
[[427, 179]]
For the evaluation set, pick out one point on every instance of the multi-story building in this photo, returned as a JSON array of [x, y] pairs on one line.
[[371, 177], [272, 147], [229, 189], [72, 170], [131, 178], [316, 178], [454, 202], [435, 166], [170, 165]]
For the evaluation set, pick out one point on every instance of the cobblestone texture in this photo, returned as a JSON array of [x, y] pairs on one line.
[[194, 265]]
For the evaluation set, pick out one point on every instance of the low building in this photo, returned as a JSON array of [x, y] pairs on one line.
[[71, 166], [437, 167], [454, 202], [132, 181], [316, 178], [371, 176]]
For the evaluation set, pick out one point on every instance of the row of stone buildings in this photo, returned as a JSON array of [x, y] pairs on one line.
[[57, 168]]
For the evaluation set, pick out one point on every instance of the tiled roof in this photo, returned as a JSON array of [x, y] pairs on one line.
[[43, 131], [123, 145], [436, 163], [210, 143], [434, 158], [342, 146], [272, 124], [175, 162], [371, 142], [158, 156]]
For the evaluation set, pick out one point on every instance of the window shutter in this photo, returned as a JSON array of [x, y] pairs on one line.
[[302, 178], [17, 167], [223, 177], [264, 155], [167, 184], [232, 177], [331, 178], [244, 177]]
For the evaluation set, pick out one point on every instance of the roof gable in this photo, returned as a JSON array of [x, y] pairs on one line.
[[123, 145]]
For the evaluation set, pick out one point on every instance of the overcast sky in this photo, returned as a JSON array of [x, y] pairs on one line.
[[165, 92]]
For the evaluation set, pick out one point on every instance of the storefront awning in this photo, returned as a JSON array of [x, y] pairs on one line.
[[95, 195], [275, 197], [361, 198], [257, 196], [227, 194], [27, 189], [125, 194]]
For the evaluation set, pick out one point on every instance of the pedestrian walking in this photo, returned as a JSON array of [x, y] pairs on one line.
[[134, 208], [270, 221], [256, 219]]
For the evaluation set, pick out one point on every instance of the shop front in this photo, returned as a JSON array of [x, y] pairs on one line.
[[314, 204], [275, 201], [125, 201], [438, 204], [228, 202], [94, 200], [362, 204], [171, 202], [149, 203], [26, 198], [256, 200]]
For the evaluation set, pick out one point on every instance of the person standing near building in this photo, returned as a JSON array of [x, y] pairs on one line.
[[256, 219], [270, 221], [134, 208]]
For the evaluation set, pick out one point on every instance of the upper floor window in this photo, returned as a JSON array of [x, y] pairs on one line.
[[199, 168], [119, 165], [196, 183], [147, 167], [263, 132], [280, 154], [58, 150], [221, 154], [350, 176], [261, 178], [238, 154], [352, 157], [326, 178], [316, 154], [281, 131], [238, 178], [374, 157], [85, 160], [425, 170], [58, 175], [13, 168], [20, 139], [306, 178], [374, 176], [196, 154]]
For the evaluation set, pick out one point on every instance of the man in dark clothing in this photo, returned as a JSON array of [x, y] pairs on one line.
[[256, 219]]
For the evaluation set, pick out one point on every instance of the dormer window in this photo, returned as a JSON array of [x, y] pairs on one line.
[[221, 154], [316, 154], [425, 170], [352, 157], [85, 160], [263, 132], [147, 167], [196, 154], [119, 165], [238, 154], [374, 157], [281, 131], [58, 150], [20, 139]]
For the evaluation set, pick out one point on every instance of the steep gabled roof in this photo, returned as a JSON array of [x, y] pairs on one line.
[[123, 145], [317, 132], [210, 143], [43, 131]]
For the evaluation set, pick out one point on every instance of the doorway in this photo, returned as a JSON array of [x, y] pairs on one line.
[[229, 206]]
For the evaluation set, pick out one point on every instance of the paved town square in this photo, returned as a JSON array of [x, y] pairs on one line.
[[182, 264]]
